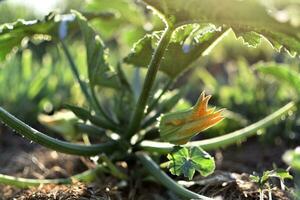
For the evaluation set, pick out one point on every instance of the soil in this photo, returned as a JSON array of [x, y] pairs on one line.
[[231, 180]]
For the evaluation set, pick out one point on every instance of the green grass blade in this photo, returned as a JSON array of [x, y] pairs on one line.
[[52, 143]]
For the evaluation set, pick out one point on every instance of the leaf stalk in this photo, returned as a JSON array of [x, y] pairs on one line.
[[165, 180], [52, 143], [86, 176], [224, 140], [156, 59], [89, 95]]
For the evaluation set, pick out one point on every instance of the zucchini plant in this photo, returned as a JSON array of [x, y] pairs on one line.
[[146, 127]]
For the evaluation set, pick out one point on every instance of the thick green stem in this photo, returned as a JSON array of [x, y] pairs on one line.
[[87, 176], [89, 95], [91, 130], [113, 169], [52, 143], [100, 108], [165, 180], [74, 69], [148, 83], [225, 140]]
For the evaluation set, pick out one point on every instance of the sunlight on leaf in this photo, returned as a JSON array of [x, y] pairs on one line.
[[187, 44], [99, 71], [51, 27], [249, 19], [187, 161], [12, 34], [281, 174]]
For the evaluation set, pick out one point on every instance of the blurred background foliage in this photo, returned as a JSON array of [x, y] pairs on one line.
[[36, 77]]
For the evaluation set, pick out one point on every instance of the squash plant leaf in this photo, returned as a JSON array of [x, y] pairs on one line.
[[187, 161], [52, 27], [282, 73], [248, 19], [126, 12], [281, 174], [187, 44], [99, 71], [11, 34], [179, 127]]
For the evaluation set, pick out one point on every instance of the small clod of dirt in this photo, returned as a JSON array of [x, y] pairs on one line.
[[233, 186], [60, 192]]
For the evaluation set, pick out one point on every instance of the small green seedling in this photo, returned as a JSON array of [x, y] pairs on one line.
[[264, 180]]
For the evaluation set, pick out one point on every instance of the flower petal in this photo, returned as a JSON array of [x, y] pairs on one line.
[[180, 127]]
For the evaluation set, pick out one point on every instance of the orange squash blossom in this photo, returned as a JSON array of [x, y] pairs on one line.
[[180, 127]]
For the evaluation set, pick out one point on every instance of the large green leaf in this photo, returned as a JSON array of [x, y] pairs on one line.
[[126, 27], [99, 71], [282, 73], [187, 44], [248, 18], [11, 34], [52, 27], [188, 160], [126, 10]]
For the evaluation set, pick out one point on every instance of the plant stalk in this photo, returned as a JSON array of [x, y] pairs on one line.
[[91, 130], [165, 180], [99, 106], [113, 169], [156, 59], [89, 95], [87, 176], [75, 72], [224, 140], [52, 143]]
